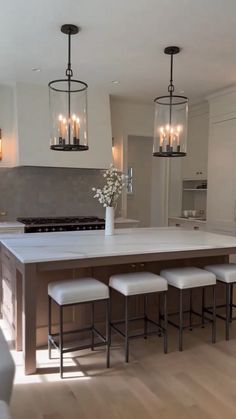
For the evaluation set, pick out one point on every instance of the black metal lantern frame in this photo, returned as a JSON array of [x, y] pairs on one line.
[[171, 113], [68, 107]]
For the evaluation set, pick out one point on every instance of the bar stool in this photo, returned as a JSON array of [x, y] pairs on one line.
[[73, 293], [225, 273], [139, 283], [187, 279]]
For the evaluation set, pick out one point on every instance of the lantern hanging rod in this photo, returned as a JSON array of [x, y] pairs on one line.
[[171, 51], [69, 30]]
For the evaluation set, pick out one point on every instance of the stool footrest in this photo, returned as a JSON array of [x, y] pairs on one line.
[[206, 319], [70, 332], [77, 348], [219, 316], [153, 332]]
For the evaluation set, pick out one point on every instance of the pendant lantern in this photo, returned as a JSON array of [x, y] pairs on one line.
[[171, 119], [68, 107]]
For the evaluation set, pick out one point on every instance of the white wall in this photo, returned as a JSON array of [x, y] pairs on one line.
[[128, 118], [140, 159], [136, 119], [8, 126]]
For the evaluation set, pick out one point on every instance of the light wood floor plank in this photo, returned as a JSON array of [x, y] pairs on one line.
[[199, 383]]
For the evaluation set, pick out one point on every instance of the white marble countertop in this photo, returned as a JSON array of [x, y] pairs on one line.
[[44, 247]]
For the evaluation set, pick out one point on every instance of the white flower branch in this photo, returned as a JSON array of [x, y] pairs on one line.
[[108, 195]]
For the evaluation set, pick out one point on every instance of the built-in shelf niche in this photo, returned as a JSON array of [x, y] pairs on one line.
[[194, 196]]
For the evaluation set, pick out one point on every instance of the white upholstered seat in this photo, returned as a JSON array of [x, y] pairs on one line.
[[190, 277], [7, 370], [77, 291], [225, 272], [135, 283], [4, 410]]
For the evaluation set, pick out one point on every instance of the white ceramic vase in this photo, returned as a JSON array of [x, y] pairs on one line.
[[109, 221]]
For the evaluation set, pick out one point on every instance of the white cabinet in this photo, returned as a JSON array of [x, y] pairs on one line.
[[126, 223], [221, 199], [221, 203], [187, 224], [194, 165], [14, 227]]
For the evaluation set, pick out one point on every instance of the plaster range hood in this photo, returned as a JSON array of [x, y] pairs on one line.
[[26, 114]]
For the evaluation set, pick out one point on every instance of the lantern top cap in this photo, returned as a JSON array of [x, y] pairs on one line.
[[172, 50], [70, 29]]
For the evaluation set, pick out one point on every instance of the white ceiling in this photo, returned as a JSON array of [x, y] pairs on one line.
[[122, 40]]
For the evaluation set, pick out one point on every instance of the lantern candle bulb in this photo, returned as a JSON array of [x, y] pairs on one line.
[[74, 127], [78, 128], [60, 118], [172, 135], [0, 144]]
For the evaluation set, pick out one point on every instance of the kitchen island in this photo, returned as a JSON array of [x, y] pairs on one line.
[[30, 261]]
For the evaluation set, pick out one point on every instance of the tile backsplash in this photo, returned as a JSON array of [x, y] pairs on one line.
[[45, 191]]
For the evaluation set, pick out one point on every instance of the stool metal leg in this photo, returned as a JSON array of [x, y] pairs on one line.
[[49, 326], [110, 314], [214, 315], [180, 319], [159, 309], [165, 322], [108, 338], [203, 307], [126, 330], [190, 308], [231, 301], [61, 340], [159, 314], [145, 316], [227, 310], [92, 324]]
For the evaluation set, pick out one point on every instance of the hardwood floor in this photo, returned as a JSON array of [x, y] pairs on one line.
[[199, 383]]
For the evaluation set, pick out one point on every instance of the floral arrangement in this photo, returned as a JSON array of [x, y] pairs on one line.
[[108, 195]]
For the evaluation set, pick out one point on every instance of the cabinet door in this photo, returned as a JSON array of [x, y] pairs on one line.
[[221, 199], [195, 163], [173, 223]]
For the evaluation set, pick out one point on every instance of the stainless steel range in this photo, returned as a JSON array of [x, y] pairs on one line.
[[52, 224]]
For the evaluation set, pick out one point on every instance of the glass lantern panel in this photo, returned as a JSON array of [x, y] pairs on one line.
[[170, 129], [68, 114]]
